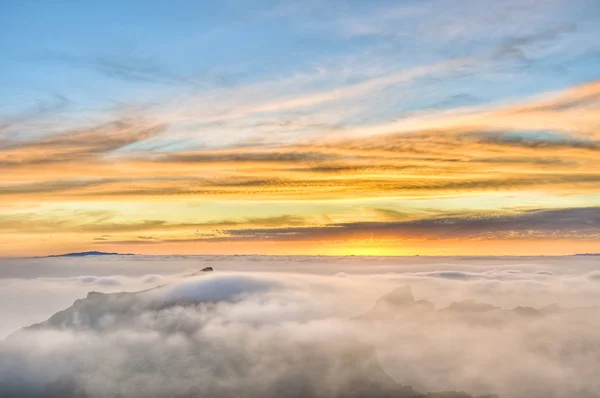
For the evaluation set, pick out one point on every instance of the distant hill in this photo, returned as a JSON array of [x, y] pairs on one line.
[[588, 254], [91, 253]]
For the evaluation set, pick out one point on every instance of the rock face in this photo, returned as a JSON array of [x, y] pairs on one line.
[[88, 313], [528, 312], [65, 387], [397, 302], [401, 302], [470, 306], [400, 297]]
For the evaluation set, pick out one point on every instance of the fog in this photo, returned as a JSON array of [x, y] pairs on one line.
[[300, 326]]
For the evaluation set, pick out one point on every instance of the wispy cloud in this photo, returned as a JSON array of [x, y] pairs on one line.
[[447, 152], [401, 103], [112, 223], [573, 223], [137, 69]]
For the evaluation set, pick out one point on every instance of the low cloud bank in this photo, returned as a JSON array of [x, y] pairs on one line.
[[520, 330]]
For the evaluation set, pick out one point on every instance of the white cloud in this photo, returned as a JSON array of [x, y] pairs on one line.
[[271, 326], [95, 280]]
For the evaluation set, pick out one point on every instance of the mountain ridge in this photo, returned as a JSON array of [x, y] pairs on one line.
[[88, 254]]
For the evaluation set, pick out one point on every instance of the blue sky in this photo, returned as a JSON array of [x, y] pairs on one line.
[[320, 106], [93, 54]]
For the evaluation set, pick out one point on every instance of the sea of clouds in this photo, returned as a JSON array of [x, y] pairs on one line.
[[300, 326]]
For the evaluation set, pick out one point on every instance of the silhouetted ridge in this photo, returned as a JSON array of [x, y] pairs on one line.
[[90, 253]]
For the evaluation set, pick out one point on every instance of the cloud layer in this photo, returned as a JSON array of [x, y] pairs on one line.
[[332, 117], [314, 326]]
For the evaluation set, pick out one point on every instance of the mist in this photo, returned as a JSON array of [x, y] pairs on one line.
[[301, 326]]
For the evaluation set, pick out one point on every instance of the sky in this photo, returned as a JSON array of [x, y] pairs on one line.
[[432, 127]]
